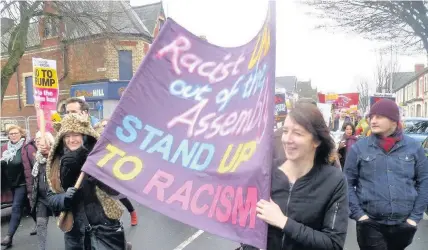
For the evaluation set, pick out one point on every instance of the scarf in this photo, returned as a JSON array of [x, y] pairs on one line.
[[386, 143], [40, 160], [11, 150]]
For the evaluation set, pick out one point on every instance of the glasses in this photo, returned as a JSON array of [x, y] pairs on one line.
[[13, 134]]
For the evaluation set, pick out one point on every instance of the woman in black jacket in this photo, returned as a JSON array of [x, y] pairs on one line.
[[39, 202], [308, 209], [95, 213]]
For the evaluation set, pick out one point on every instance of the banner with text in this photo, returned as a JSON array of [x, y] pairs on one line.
[[46, 89], [280, 107], [191, 137]]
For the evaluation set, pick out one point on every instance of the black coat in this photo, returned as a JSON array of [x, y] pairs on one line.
[[316, 207], [86, 207]]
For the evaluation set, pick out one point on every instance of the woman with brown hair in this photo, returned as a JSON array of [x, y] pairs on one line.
[[99, 127], [16, 163], [308, 207]]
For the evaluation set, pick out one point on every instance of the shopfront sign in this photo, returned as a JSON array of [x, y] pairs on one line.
[[99, 91]]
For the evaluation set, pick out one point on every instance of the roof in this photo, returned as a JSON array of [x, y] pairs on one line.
[[119, 17], [149, 14], [400, 79], [287, 82], [114, 16]]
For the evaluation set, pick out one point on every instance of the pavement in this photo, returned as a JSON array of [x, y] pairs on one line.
[[158, 232]]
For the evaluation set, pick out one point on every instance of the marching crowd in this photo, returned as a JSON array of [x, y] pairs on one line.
[[383, 185]]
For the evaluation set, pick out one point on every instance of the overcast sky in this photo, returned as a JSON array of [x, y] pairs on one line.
[[334, 62]]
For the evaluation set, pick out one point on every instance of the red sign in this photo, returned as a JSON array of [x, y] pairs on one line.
[[345, 100]]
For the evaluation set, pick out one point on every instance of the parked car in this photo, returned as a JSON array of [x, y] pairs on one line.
[[416, 127]]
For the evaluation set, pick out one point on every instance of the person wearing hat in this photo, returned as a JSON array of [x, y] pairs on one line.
[[95, 213], [387, 175]]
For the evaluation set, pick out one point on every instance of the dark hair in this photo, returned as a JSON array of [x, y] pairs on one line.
[[349, 124], [309, 117], [83, 105]]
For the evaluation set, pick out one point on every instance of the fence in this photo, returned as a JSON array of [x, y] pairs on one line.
[[28, 123]]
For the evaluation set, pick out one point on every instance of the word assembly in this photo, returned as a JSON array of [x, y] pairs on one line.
[[247, 84], [235, 123]]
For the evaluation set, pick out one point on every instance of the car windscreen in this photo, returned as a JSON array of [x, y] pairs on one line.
[[416, 127]]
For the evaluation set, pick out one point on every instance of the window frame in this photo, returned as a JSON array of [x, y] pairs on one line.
[[119, 63]]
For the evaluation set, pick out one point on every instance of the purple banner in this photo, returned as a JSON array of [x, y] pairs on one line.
[[191, 135]]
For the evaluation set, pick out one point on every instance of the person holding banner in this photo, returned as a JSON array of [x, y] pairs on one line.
[[99, 127], [16, 162], [39, 203], [308, 208], [96, 215]]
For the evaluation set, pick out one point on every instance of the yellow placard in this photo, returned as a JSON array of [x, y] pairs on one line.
[[45, 78], [331, 97]]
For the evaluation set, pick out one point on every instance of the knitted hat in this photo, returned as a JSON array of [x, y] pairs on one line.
[[386, 107]]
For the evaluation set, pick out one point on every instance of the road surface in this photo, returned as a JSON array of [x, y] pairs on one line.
[[158, 232]]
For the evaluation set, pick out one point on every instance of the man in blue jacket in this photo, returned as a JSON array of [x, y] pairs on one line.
[[387, 176]]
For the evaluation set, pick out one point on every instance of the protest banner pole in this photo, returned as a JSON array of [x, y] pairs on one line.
[[65, 221]]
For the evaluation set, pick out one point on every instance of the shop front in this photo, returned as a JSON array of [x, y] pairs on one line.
[[102, 97]]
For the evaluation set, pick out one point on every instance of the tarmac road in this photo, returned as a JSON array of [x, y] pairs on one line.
[[158, 232]]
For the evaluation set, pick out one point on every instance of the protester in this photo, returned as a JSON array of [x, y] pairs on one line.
[[278, 149], [309, 206], [346, 143], [79, 106], [17, 159], [340, 121], [91, 203], [39, 201], [387, 175], [99, 127], [363, 127]]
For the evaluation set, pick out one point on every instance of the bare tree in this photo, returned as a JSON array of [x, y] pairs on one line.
[[384, 72], [83, 19], [404, 22], [363, 90]]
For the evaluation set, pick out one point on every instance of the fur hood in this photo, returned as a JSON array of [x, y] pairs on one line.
[[77, 124]]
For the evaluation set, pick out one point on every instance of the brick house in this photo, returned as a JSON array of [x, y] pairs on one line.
[[94, 65], [411, 90]]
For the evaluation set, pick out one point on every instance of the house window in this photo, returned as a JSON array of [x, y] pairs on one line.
[[51, 27], [161, 22], [426, 83], [29, 90], [125, 64]]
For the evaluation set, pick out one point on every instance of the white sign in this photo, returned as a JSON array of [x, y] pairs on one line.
[[325, 109]]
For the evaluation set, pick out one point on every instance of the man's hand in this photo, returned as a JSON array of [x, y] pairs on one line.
[[411, 222], [363, 218]]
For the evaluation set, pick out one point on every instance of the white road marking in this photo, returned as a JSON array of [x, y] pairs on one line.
[[189, 240]]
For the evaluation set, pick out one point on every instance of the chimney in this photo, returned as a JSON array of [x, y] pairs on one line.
[[419, 67]]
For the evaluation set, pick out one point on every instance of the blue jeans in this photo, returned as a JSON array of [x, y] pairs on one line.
[[19, 199]]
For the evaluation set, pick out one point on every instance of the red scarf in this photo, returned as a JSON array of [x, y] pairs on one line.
[[386, 143]]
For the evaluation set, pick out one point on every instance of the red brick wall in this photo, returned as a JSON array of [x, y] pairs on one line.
[[85, 58]]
